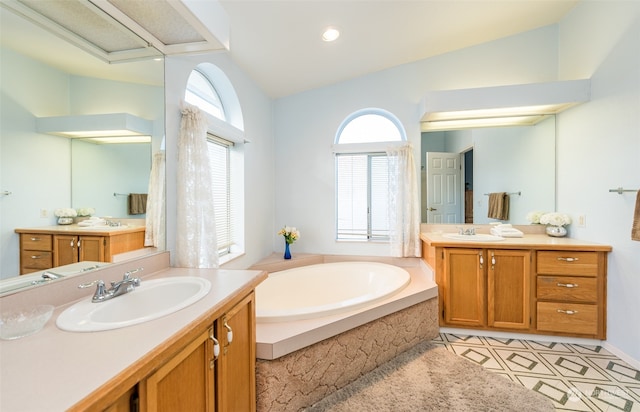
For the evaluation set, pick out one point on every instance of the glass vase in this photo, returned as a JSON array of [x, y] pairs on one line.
[[556, 231], [64, 220], [287, 252]]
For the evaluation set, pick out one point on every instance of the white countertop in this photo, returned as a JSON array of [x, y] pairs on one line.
[[528, 241], [53, 369], [83, 230]]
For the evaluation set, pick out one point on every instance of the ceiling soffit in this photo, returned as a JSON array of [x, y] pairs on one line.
[[120, 30]]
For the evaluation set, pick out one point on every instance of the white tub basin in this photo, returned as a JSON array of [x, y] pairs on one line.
[[149, 301], [480, 237]]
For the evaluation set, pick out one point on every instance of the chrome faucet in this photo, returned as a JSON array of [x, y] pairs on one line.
[[46, 277], [127, 284], [469, 232]]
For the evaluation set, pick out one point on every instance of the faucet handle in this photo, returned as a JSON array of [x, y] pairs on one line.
[[127, 275], [100, 292]]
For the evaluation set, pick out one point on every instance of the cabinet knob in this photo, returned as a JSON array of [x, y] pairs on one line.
[[568, 259]]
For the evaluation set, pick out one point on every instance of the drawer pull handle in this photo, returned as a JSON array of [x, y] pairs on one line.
[[568, 312], [567, 285], [36, 257], [568, 259], [229, 332], [481, 259], [35, 239], [216, 345]]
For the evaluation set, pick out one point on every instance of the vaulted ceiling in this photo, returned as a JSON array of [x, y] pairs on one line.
[[279, 45]]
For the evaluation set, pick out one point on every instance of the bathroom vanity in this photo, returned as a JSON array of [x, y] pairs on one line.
[[534, 284], [170, 363], [52, 246]]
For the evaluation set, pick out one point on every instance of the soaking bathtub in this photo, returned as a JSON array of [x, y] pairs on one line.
[[296, 308], [324, 289], [317, 329]]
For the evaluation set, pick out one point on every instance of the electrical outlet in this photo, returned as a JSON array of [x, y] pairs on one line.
[[582, 221], [44, 213]]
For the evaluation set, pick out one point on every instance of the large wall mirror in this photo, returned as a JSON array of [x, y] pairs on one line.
[[45, 76], [518, 160]]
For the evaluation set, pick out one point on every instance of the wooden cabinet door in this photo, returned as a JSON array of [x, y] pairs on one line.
[[65, 250], [184, 383], [464, 287], [91, 248], [508, 288], [235, 373]]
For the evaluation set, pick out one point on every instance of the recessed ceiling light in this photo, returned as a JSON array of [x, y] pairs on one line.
[[330, 34]]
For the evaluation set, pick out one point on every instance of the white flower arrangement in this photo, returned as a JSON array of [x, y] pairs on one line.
[[534, 217], [85, 211], [555, 219], [65, 212], [291, 234]]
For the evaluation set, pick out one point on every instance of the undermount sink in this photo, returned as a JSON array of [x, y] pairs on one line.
[[151, 300], [478, 237]]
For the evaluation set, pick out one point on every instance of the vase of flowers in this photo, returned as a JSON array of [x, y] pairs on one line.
[[556, 223], [291, 234], [534, 217], [65, 215], [83, 213]]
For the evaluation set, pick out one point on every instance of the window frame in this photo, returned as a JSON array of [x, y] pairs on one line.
[[376, 148], [227, 246], [369, 235]]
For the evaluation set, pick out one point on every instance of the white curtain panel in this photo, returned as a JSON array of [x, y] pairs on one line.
[[155, 218], [196, 244], [404, 203]]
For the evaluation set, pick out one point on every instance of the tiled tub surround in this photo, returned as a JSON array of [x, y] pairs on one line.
[[301, 362]]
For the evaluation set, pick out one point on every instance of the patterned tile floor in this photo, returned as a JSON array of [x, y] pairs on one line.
[[574, 377]]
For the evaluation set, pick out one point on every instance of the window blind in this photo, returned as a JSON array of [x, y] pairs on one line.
[[220, 177], [362, 199]]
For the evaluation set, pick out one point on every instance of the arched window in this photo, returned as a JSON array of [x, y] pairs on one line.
[[370, 126], [200, 92], [209, 89], [362, 174]]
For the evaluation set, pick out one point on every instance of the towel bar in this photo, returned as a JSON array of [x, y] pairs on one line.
[[620, 190], [510, 193]]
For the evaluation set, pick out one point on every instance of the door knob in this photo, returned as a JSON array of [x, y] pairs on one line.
[[431, 209]]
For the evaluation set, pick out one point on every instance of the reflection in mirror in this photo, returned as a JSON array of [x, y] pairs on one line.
[[44, 76], [104, 174], [502, 159]]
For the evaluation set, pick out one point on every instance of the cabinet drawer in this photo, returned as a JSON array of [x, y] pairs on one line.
[[568, 317], [37, 260], [36, 242], [568, 263], [567, 288]]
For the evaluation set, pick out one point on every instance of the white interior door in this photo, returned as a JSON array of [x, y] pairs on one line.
[[444, 204]]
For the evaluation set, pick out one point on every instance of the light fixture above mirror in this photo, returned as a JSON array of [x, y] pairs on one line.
[[512, 105], [98, 128]]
